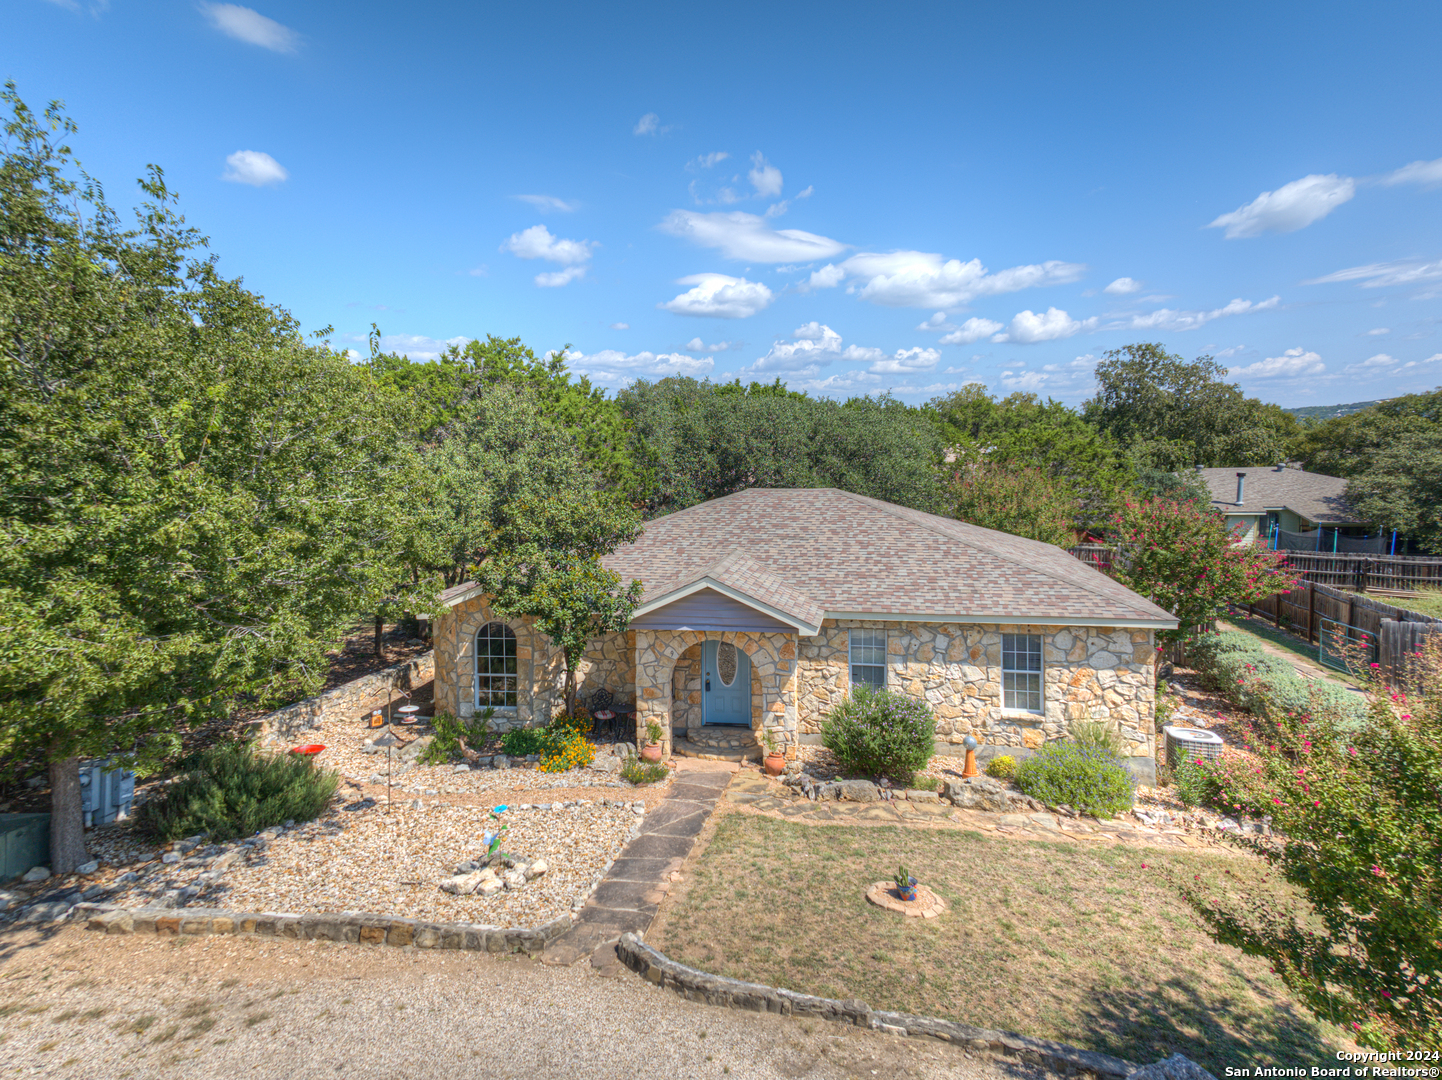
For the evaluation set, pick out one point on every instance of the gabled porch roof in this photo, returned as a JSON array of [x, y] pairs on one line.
[[741, 578]]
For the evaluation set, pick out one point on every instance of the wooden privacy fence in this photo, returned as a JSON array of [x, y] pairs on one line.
[[1399, 642], [1322, 614], [1359, 572]]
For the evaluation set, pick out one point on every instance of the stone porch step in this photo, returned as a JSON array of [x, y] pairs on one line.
[[685, 748]]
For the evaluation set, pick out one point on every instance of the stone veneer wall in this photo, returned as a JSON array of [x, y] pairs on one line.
[[1088, 673], [540, 668], [773, 679]]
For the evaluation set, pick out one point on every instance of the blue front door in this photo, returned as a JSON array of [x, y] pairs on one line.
[[725, 684]]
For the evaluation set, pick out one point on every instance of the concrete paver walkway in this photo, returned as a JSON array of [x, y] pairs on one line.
[[628, 897]]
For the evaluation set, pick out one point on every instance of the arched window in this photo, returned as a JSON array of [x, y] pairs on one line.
[[495, 667]]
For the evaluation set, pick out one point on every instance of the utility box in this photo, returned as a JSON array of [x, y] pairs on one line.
[[107, 793], [24, 842]]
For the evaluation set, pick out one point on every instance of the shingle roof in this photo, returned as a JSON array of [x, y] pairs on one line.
[[848, 554], [1315, 496]]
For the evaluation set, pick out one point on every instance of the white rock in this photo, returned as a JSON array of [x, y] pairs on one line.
[[462, 884], [513, 879], [36, 873], [536, 869], [170, 858], [88, 867], [489, 888]]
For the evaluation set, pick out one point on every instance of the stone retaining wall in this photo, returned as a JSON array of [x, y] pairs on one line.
[[698, 986], [291, 721], [1088, 673], [362, 929]]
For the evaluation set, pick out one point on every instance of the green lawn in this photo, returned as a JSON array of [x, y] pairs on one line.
[[1286, 641], [1082, 944]]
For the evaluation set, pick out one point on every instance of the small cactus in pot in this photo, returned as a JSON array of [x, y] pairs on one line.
[[905, 884]]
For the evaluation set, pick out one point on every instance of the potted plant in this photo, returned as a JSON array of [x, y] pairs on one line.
[[652, 750], [905, 884], [775, 759]]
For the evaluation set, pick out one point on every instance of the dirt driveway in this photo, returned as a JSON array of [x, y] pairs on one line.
[[77, 1004]]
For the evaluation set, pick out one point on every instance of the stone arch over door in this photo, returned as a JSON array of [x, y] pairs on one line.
[[773, 678], [686, 680]]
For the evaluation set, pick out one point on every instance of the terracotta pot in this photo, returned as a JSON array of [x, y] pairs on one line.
[[775, 763], [651, 752]]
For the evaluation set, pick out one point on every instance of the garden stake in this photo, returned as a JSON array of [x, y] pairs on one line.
[[969, 769]]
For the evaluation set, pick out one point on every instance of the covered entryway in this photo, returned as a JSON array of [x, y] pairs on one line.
[[725, 685]]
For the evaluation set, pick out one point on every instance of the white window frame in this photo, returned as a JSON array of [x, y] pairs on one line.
[[868, 649], [477, 674], [1024, 683]]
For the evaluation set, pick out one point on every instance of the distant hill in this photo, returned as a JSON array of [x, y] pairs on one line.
[[1327, 412]]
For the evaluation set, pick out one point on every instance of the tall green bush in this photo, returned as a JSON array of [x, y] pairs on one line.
[[234, 790], [881, 733]]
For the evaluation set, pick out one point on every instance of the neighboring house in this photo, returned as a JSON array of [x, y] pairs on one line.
[[1259, 499], [763, 609]]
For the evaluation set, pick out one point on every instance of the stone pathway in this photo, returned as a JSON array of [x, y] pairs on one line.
[[752, 792], [628, 897]]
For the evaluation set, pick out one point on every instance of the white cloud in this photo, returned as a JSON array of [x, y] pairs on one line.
[[923, 279], [1291, 363], [245, 24], [1426, 173], [1379, 331], [936, 322], [1389, 366], [1168, 319], [828, 277], [708, 161], [971, 330], [906, 361], [549, 203], [748, 237], [696, 345], [620, 326], [647, 125], [764, 177], [1291, 207], [812, 347], [719, 296], [479, 271], [1381, 275], [556, 278], [806, 192], [418, 346], [612, 366], [1123, 286], [1028, 328], [538, 243], [254, 168]]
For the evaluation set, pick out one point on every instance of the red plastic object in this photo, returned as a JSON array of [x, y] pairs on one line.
[[310, 750]]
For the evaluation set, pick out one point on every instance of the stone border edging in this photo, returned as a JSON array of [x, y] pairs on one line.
[[349, 927], [292, 720], [706, 989]]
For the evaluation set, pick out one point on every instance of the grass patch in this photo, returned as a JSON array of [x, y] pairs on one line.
[[1283, 639], [1055, 940]]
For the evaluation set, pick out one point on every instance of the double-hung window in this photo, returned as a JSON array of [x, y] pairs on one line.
[[1021, 672], [868, 658]]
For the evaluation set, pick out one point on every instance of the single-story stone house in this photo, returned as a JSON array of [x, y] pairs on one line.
[[764, 608]]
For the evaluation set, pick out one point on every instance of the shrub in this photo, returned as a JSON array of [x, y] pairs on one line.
[[636, 771], [233, 790], [1082, 777], [880, 733], [1194, 784], [523, 741], [445, 744], [1002, 767], [1360, 828], [1099, 735]]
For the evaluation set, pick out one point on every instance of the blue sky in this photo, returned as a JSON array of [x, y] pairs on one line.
[[854, 198]]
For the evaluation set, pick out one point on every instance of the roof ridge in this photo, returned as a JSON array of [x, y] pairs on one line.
[[891, 508]]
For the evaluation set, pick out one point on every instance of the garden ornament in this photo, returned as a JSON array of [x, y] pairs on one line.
[[969, 770]]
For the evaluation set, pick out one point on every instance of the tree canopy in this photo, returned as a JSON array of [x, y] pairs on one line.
[[1174, 414]]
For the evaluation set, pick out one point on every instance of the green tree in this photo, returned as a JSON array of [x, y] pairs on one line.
[[501, 456], [545, 564], [1020, 499], [1173, 414], [1349, 445], [699, 441], [1181, 557], [194, 501], [1401, 488]]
